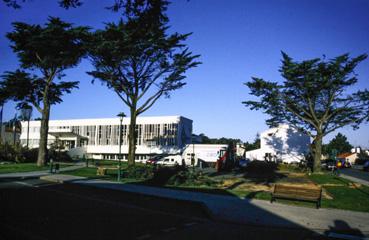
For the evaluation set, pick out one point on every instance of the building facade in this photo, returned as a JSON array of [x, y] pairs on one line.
[[283, 143], [99, 138], [348, 157], [10, 133]]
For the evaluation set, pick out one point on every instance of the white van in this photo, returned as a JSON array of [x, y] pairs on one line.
[[170, 160]]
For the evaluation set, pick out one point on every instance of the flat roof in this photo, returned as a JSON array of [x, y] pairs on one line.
[[111, 121]]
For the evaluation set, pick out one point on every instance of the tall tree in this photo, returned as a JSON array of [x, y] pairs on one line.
[[3, 99], [139, 61], [47, 50], [338, 144], [67, 4], [316, 97], [16, 4]]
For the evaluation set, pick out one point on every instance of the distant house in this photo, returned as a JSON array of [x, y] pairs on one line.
[[283, 143], [349, 157]]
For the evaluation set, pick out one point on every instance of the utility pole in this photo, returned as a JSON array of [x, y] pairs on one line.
[[121, 116]]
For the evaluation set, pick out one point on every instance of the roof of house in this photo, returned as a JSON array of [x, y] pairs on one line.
[[344, 155]]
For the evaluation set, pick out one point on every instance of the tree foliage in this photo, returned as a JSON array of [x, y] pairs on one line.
[[17, 4], [338, 144], [67, 4], [44, 53], [315, 97], [223, 140], [139, 60]]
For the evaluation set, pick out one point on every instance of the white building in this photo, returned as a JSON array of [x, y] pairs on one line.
[[99, 138], [283, 143], [10, 134]]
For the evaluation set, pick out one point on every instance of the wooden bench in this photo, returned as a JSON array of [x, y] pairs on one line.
[[300, 193]]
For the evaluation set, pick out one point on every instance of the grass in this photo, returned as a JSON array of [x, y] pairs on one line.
[[349, 198], [23, 167], [345, 194], [110, 163], [327, 178], [90, 172]]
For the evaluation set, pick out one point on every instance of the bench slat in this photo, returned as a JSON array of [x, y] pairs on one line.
[[297, 193]]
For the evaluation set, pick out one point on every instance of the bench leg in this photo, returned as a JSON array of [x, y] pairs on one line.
[[272, 200]]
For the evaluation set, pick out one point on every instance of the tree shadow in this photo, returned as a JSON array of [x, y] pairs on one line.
[[342, 227], [263, 172], [293, 146]]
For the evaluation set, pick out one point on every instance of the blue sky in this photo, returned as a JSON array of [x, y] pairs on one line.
[[236, 40]]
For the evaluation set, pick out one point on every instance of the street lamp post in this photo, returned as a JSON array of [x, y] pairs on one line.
[[121, 116]]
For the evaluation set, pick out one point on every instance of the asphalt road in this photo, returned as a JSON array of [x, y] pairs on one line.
[[356, 174], [35, 209]]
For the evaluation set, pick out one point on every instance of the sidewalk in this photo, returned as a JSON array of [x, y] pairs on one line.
[[39, 173], [356, 175], [254, 212]]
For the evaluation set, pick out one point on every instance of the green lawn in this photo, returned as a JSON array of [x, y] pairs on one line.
[[112, 163], [90, 172], [345, 195], [326, 178], [23, 167]]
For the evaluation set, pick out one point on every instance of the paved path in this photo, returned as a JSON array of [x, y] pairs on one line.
[[254, 212], [39, 173], [355, 175], [75, 211]]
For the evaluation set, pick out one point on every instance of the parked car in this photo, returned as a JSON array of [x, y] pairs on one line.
[[154, 160], [328, 164], [170, 160], [366, 166], [244, 162]]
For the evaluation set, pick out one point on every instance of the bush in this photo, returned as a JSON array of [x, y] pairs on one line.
[[29, 155], [20, 154], [16, 153], [262, 167], [139, 172], [59, 156], [162, 175], [293, 167], [190, 177]]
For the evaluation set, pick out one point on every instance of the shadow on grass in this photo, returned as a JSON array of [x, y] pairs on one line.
[[263, 172]]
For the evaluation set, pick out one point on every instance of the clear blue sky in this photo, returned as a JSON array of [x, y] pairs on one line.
[[236, 40]]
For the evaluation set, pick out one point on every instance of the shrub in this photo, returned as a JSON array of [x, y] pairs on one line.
[[29, 155], [262, 167], [139, 172], [292, 167], [162, 175], [190, 177], [14, 153], [59, 156]]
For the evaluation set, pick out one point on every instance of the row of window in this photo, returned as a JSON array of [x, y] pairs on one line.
[[146, 134], [34, 141], [124, 157]]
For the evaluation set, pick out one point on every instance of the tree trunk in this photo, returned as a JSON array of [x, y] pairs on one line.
[[317, 152], [132, 139], [42, 150]]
